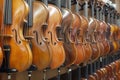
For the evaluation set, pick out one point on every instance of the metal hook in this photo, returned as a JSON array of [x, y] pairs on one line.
[[44, 74], [29, 75], [58, 78], [9, 76]]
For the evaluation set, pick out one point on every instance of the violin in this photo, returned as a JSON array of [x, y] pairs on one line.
[[74, 36], [97, 38], [42, 54], [110, 33], [117, 65], [83, 36], [114, 31], [54, 21], [69, 45], [13, 36], [101, 30], [91, 37]]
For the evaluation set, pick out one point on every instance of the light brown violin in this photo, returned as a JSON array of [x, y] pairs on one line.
[[112, 38], [86, 45], [76, 25], [56, 46], [40, 50], [20, 53]]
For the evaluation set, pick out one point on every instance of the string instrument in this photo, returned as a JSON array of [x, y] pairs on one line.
[[33, 31], [114, 30], [74, 36], [91, 38], [110, 32], [1, 24], [13, 36], [117, 65], [69, 45], [54, 21], [83, 36], [99, 32], [101, 29], [92, 33]]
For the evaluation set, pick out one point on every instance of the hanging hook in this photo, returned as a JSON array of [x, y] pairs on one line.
[[69, 73], [29, 75], [9, 76], [58, 78], [44, 74]]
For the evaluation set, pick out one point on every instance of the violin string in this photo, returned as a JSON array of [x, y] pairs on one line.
[[6, 19]]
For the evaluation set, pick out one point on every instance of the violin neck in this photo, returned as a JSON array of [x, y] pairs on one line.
[[69, 4], [92, 6], [45, 2], [8, 12], [86, 9], [76, 8], [58, 4], [108, 17], [64, 3], [97, 13], [30, 15]]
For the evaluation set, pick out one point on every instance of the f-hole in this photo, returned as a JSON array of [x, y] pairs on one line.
[[15, 32], [51, 36], [59, 33], [36, 36]]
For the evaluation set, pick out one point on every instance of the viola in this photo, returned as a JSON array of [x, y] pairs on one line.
[[13, 36], [54, 21], [42, 54]]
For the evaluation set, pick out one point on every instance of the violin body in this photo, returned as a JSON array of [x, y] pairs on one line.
[[69, 45], [79, 47], [95, 46], [110, 38], [56, 46], [98, 34], [103, 37], [40, 51], [86, 45], [20, 53]]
